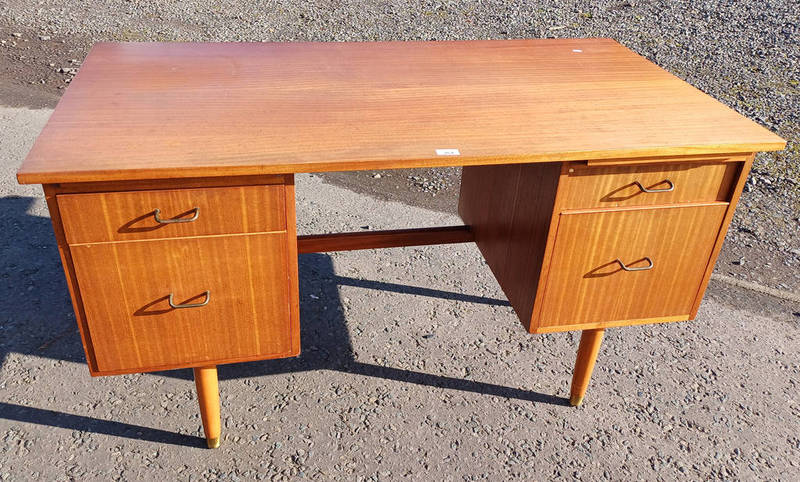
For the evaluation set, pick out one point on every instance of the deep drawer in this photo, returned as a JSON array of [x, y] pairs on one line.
[[125, 289], [666, 251], [132, 215], [612, 186]]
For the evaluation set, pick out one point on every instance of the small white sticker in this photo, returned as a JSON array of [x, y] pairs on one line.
[[577, 51], [447, 152]]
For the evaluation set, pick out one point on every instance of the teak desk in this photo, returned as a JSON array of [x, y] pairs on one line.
[[598, 187]]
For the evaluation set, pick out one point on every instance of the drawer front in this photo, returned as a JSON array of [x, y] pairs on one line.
[[586, 283], [125, 289], [590, 187], [131, 215]]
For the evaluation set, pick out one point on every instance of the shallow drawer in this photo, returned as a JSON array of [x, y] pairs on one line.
[[126, 290], [589, 187], [666, 250], [132, 215]]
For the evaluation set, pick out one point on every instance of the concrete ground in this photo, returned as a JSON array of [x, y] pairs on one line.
[[413, 366]]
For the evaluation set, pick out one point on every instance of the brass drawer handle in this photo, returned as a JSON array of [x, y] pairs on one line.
[[157, 212], [644, 189], [190, 305], [643, 268]]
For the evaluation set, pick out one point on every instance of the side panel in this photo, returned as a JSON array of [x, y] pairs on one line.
[[726, 222], [69, 272], [509, 209], [294, 278]]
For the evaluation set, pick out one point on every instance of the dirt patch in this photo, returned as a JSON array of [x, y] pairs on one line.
[[37, 67]]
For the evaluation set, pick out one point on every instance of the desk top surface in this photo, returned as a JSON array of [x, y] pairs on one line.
[[172, 110]]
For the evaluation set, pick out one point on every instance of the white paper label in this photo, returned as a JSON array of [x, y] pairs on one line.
[[447, 152]]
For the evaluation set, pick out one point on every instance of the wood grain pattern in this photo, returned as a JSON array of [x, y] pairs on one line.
[[592, 325], [141, 111], [322, 243], [703, 158], [587, 285], [741, 179], [588, 187], [125, 287], [588, 349], [156, 184], [129, 216], [532, 322], [69, 272], [486, 203], [509, 210], [207, 383], [293, 268]]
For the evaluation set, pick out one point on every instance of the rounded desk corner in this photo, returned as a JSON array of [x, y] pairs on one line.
[[22, 178]]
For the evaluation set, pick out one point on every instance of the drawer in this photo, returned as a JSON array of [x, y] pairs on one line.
[[666, 248], [131, 215], [590, 187], [125, 289]]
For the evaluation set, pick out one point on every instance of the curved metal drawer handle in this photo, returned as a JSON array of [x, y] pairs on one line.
[[643, 268], [190, 305], [644, 189], [157, 212]]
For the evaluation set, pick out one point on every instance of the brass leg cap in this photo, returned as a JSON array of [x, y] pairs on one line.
[[575, 400], [213, 443]]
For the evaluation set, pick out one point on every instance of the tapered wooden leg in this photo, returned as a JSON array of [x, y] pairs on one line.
[[205, 379], [584, 364]]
